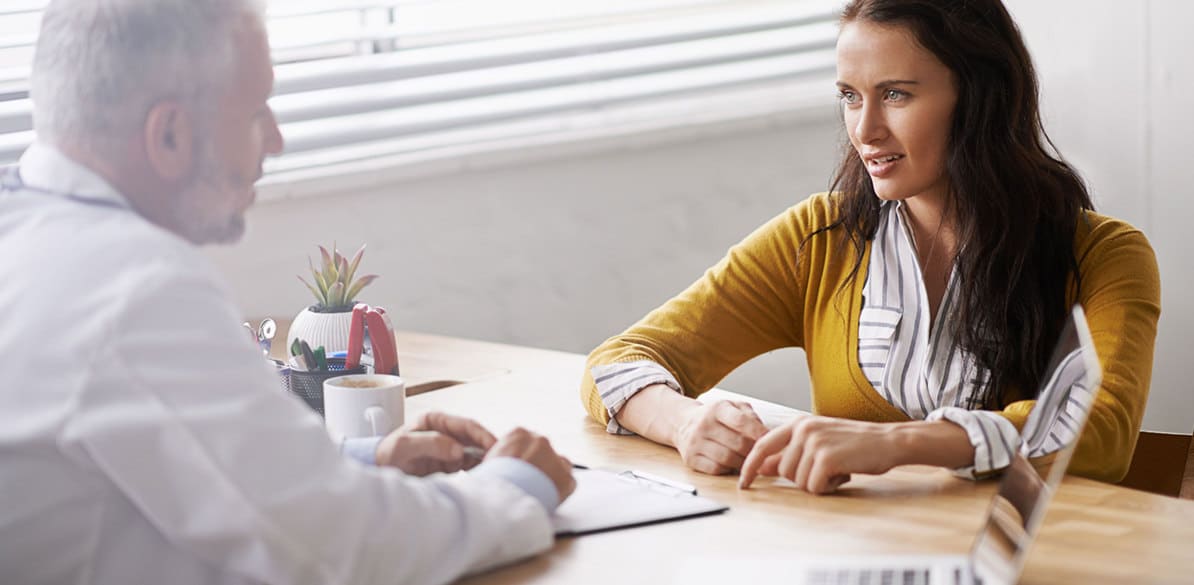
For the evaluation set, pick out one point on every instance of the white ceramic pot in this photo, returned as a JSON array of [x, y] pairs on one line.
[[327, 329]]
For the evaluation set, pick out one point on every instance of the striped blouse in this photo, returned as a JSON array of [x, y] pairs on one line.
[[915, 364]]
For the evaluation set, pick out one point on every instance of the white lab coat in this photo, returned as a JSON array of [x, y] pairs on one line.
[[142, 439]]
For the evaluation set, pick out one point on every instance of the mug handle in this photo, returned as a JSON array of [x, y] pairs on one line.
[[379, 420]]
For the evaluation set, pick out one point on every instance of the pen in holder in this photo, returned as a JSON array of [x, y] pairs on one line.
[[309, 384]]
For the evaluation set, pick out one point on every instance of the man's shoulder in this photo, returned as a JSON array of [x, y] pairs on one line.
[[115, 240], [95, 258]]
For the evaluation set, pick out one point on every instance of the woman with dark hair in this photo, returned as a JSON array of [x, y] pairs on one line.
[[927, 288]]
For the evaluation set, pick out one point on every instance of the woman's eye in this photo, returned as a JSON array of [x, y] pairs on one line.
[[894, 95], [848, 97]]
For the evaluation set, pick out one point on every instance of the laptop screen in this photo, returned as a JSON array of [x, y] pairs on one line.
[[1047, 442]]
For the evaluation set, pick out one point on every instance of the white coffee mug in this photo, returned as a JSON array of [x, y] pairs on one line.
[[363, 405]]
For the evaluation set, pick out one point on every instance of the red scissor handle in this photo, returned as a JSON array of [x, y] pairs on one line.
[[385, 349], [356, 336]]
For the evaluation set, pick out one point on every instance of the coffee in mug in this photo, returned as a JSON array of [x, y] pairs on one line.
[[362, 383]]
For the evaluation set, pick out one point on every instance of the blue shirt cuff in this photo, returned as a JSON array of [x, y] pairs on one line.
[[363, 449], [523, 475]]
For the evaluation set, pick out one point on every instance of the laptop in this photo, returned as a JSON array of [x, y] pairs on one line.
[[1014, 514]]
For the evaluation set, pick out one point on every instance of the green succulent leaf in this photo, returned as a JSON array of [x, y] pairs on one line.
[[325, 256], [331, 275], [356, 262], [336, 296], [326, 265], [361, 283], [318, 295], [323, 287], [342, 269]]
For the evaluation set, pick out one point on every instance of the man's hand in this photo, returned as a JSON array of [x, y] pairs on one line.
[[536, 450], [435, 442], [716, 438]]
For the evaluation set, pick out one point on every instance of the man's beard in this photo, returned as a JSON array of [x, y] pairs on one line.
[[206, 211]]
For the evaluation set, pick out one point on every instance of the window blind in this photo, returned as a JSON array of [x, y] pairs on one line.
[[359, 79]]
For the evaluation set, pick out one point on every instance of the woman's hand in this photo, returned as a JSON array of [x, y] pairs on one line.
[[435, 442], [711, 438], [819, 453], [716, 438]]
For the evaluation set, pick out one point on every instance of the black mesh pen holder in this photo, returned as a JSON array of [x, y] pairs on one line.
[[309, 385]]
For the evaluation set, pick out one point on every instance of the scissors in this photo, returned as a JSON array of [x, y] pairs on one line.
[[376, 323]]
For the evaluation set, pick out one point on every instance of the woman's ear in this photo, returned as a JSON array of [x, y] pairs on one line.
[[169, 140]]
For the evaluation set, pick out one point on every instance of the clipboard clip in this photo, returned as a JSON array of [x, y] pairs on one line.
[[656, 482]]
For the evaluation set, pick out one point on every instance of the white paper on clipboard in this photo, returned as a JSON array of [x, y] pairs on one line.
[[608, 500]]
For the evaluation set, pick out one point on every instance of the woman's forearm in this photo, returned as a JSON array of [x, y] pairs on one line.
[[939, 443], [656, 412]]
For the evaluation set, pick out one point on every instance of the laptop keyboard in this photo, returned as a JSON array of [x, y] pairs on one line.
[[869, 577]]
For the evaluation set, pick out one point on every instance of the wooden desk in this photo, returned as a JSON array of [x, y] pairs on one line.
[[430, 362], [1093, 533]]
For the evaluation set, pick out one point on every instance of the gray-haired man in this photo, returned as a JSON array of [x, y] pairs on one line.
[[142, 439]]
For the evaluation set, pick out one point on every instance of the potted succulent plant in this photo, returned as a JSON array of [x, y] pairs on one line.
[[335, 287]]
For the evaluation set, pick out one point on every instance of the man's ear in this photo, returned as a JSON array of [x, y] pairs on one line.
[[169, 140]]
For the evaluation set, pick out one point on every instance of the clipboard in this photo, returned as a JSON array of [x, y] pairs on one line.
[[609, 500]]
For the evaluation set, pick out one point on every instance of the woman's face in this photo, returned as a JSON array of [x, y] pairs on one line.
[[898, 101]]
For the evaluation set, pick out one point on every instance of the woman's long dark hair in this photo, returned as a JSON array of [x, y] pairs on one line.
[[1015, 202]]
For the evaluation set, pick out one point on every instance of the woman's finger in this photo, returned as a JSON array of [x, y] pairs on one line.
[[770, 466], [790, 460], [764, 448], [820, 476], [741, 419], [720, 454], [812, 450], [706, 465]]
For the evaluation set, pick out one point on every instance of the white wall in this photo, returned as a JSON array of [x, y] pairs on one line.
[[561, 253], [1118, 89]]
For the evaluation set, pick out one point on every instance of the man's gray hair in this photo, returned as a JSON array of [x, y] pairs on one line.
[[100, 65]]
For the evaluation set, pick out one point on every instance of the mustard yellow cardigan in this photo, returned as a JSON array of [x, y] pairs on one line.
[[764, 295]]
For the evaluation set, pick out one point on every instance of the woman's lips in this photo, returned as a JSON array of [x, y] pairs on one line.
[[882, 166]]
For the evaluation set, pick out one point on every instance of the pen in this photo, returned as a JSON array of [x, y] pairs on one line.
[[691, 489], [308, 356], [321, 359]]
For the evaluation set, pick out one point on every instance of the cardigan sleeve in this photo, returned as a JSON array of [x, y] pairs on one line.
[[1121, 295], [748, 304]]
